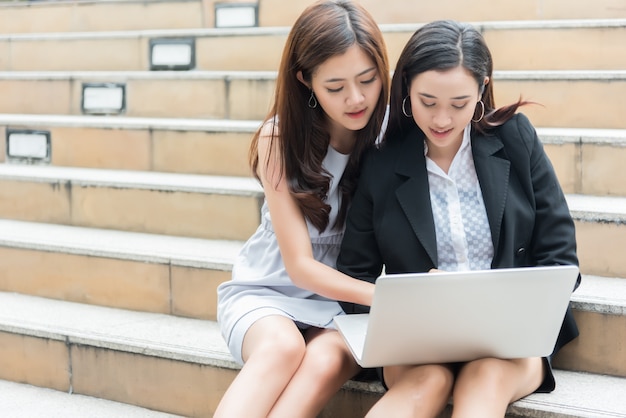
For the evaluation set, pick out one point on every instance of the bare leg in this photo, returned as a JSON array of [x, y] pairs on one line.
[[485, 388], [414, 391], [326, 366], [273, 349]]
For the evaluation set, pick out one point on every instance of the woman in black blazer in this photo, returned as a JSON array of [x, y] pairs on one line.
[[456, 184]]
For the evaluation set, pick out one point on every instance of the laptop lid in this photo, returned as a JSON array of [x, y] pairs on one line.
[[423, 318]]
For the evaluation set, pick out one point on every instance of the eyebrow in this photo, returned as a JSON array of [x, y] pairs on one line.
[[333, 80], [430, 96]]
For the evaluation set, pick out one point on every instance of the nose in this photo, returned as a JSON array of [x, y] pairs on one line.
[[355, 96], [441, 118]]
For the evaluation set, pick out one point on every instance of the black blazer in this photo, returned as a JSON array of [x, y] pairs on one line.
[[390, 221]]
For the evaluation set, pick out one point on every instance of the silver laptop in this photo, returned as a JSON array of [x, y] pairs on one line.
[[423, 318]]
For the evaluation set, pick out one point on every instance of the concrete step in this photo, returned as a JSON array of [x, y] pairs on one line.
[[280, 13], [600, 233], [170, 94], [521, 45], [26, 401], [599, 306], [107, 15], [219, 207], [179, 276], [585, 160], [555, 92], [215, 207], [248, 94], [540, 45], [181, 366], [195, 146], [104, 15], [129, 270]]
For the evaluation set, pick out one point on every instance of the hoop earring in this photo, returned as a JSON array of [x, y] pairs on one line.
[[409, 115], [482, 114], [312, 101]]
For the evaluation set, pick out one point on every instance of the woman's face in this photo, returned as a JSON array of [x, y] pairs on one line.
[[347, 87], [442, 104]]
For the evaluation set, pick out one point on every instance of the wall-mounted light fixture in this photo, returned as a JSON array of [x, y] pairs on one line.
[[29, 146], [172, 54], [103, 98], [236, 15]]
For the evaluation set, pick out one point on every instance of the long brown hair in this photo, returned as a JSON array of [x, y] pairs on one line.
[[323, 30], [443, 45]]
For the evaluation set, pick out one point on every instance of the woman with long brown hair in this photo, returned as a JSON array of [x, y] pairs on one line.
[[276, 312]]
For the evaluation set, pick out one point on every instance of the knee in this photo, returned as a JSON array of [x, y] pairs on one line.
[[433, 382], [484, 374], [328, 363], [283, 349], [437, 381]]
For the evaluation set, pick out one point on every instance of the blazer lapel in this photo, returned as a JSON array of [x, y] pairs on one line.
[[493, 176], [414, 194]]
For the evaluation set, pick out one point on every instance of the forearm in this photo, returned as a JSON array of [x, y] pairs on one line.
[[324, 280]]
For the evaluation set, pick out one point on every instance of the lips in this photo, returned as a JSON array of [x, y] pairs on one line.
[[439, 133], [356, 115]]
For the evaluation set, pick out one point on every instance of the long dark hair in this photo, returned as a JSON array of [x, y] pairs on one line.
[[442, 45], [323, 30]]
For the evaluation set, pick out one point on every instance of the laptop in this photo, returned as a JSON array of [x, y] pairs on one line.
[[424, 318]]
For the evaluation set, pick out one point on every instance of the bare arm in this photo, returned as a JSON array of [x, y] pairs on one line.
[[293, 236]]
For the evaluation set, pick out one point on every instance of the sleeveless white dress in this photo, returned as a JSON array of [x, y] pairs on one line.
[[260, 285]]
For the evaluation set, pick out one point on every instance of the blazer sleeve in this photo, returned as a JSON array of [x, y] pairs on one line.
[[554, 237], [360, 256]]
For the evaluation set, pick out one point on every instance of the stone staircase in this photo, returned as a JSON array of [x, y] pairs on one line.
[[112, 247]]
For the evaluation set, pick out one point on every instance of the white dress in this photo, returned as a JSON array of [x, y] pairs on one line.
[[260, 285]]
